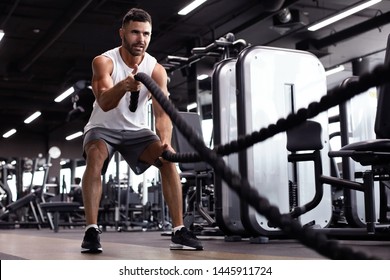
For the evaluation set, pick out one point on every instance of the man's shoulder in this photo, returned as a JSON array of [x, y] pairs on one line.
[[102, 60], [150, 57], [111, 52], [148, 63]]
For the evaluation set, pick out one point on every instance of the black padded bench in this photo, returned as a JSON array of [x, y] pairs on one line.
[[58, 207]]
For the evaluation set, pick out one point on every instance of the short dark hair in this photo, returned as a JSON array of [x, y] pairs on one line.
[[136, 14]]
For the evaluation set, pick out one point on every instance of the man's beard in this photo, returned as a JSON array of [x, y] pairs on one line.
[[131, 50]]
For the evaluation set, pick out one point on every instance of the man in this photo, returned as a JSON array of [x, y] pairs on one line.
[[113, 127]]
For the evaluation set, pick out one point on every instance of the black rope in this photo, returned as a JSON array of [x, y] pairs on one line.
[[313, 239]]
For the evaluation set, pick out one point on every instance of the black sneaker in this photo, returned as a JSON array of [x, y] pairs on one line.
[[91, 241], [184, 239]]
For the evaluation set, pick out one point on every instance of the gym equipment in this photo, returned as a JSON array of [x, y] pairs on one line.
[[376, 154], [199, 176], [25, 211], [122, 207], [271, 83], [55, 210], [356, 124], [133, 212], [15, 212], [29, 202], [227, 203], [309, 237], [369, 185], [58, 208], [5, 169], [77, 111], [221, 48], [156, 208]]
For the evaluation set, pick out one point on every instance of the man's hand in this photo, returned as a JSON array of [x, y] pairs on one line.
[[130, 84], [167, 147]]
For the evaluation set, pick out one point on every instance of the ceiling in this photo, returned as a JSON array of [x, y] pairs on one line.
[[49, 44]]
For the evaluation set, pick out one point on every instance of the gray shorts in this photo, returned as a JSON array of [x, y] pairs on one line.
[[130, 144]]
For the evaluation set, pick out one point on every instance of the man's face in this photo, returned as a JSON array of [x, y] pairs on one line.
[[136, 37]]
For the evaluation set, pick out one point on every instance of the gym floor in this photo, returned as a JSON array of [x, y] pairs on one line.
[[45, 244]]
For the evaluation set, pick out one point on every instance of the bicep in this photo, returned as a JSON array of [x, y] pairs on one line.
[[101, 75]]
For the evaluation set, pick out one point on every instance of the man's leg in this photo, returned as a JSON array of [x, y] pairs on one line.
[[96, 153], [172, 191], [170, 180]]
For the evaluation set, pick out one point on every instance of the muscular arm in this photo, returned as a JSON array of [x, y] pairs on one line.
[[162, 120], [106, 93]]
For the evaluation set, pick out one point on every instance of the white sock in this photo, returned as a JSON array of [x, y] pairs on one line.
[[177, 228], [91, 225]]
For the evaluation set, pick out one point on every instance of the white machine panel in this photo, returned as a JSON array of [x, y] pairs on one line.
[[272, 83], [228, 213]]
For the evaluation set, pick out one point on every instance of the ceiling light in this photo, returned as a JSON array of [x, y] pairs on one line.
[[342, 14], [9, 133], [192, 6], [32, 117], [335, 70], [1, 34], [74, 135], [64, 95]]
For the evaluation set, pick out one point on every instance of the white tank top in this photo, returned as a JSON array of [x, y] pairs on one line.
[[120, 117]]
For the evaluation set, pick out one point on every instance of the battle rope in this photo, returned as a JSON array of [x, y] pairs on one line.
[[312, 239]]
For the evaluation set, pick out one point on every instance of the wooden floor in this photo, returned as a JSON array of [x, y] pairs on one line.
[[44, 244]]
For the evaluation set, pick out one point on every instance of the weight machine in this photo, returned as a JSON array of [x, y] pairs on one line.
[[51, 209], [199, 197], [26, 211], [15, 212], [306, 195], [371, 181]]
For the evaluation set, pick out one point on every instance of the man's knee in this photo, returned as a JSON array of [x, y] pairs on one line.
[[96, 154], [96, 149]]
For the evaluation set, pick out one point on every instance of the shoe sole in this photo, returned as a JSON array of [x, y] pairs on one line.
[[175, 246], [92, 251]]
